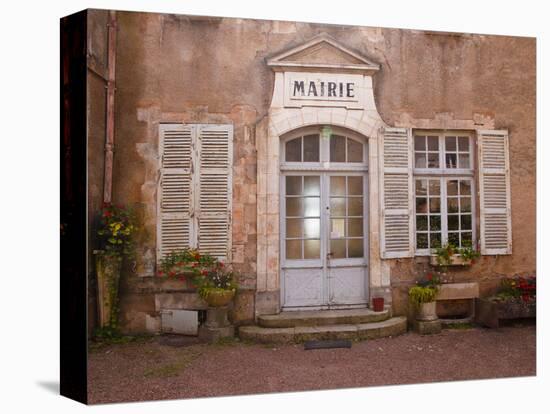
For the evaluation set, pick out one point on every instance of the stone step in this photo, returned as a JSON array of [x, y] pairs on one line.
[[390, 327], [290, 319]]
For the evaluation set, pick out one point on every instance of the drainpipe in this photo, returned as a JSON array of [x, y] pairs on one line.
[[110, 129]]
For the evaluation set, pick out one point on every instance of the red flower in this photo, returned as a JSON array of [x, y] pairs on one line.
[[172, 273], [220, 264], [429, 276], [204, 272], [160, 273]]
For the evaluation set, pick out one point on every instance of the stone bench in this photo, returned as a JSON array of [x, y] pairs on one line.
[[459, 291]]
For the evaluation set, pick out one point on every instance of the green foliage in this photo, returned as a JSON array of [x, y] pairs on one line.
[[205, 272], [422, 294], [445, 253], [518, 288], [116, 231]]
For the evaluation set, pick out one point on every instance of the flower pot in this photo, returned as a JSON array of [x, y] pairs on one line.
[[426, 312], [219, 297], [378, 304], [108, 276]]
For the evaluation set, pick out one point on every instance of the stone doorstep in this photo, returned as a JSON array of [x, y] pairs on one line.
[[389, 327], [289, 319]]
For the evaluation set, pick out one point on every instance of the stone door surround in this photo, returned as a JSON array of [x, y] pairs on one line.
[[296, 103]]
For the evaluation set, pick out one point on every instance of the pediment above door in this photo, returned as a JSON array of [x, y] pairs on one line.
[[322, 54]]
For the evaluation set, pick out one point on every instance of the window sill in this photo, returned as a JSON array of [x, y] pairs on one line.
[[456, 260]]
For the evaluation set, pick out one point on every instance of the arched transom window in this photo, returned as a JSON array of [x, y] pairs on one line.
[[317, 145]]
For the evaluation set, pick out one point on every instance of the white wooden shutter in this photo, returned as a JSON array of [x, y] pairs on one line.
[[396, 227], [494, 188], [214, 206], [175, 188]]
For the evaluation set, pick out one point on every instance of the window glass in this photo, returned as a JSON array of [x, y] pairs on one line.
[[337, 148], [355, 151], [311, 148], [293, 150]]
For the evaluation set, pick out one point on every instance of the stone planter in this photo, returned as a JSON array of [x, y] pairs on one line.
[[456, 260], [426, 312], [217, 298], [108, 277], [489, 313]]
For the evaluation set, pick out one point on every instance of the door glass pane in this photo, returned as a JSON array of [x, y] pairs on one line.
[[312, 228], [293, 185], [355, 206], [337, 228], [293, 206], [337, 186], [355, 151], [312, 249], [355, 227], [311, 148], [312, 185], [293, 227], [338, 248], [293, 249], [293, 150], [355, 248], [311, 207], [337, 148], [355, 185], [337, 206]]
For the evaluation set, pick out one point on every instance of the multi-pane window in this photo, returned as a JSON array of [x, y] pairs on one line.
[[443, 190], [303, 216], [346, 216]]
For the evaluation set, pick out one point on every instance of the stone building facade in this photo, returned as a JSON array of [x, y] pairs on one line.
[[398, 126]]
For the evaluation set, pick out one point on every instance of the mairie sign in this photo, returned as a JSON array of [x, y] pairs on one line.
[[323, 89]]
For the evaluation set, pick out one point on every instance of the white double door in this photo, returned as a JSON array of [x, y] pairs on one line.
[[324, 228]]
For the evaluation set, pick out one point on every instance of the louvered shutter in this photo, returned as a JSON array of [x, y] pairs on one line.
[[494, 188], [397, 237], [175, 188], [214, 207]]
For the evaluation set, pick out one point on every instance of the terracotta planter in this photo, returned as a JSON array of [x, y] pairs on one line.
[[378, 304], [108, 278], [219, 297], [426, 312]]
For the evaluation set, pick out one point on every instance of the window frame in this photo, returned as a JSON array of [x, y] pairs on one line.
[[445, 174], [324, 151]]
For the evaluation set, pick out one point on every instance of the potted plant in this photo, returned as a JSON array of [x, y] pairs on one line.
[[422, 297], [450, 255], [116, 231], [214, 283]]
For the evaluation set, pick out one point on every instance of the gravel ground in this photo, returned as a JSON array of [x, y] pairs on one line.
[[155, 369]]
